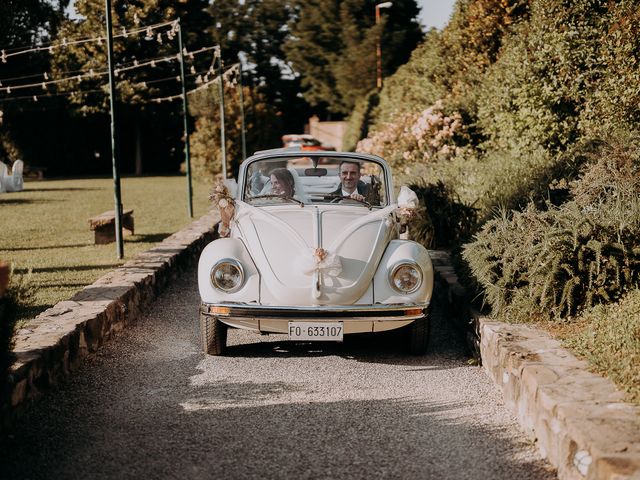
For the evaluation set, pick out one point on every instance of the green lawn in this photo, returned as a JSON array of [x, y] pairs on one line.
[[45, 228]]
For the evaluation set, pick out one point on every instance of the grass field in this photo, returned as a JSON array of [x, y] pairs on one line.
[[45, 229]]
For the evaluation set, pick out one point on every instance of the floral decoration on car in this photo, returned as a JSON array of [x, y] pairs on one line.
[[226, 205]]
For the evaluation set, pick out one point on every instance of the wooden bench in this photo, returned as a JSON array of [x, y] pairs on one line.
[[104, 226]]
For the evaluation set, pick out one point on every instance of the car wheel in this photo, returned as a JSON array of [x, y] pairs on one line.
[[419, 335], [213, 335]]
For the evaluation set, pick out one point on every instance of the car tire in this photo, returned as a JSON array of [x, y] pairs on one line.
[[418, 335], [213, 335]]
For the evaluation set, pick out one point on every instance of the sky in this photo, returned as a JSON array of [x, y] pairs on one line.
[[435, 13]]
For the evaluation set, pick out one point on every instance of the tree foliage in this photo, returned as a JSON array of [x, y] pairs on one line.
[[23, 23], [261, 121], [333, 47], [131, 86]]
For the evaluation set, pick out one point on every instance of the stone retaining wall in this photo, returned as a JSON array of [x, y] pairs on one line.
[[578, 420], [48, 347]]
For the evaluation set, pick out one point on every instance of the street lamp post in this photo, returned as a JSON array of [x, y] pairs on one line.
[[379, 44], [114, 136]]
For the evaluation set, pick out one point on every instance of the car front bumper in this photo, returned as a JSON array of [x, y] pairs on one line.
[[355, 318]]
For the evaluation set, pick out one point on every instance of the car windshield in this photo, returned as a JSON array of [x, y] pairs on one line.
[[316, 180]]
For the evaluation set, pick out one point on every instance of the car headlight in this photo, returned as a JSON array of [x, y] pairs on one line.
[[406, 277], [227, 275]]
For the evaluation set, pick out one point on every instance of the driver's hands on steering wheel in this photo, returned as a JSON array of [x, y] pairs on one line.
[[356, 196]]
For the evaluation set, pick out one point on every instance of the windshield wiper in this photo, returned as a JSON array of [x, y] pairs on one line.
[[275, 195]]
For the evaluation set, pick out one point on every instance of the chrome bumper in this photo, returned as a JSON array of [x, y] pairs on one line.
[[355, 318]]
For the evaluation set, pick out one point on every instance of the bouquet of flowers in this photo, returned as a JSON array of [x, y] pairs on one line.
[[222, 200]]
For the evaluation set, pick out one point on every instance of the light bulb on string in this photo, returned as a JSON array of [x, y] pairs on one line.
[[159, 38], [44, 86], [148, 34], [136, 19], [153, 64], [192, 70], [199, 79], [3, 57], [35, 99], [46, 77]]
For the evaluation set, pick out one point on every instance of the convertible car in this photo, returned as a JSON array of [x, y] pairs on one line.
[[300, 255]]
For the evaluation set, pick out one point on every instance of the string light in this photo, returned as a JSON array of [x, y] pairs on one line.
[[6, 53], [92, 73], [230, 70], [49, 95]]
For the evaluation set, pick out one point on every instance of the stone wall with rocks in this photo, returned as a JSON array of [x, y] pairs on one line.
[[49, 346], [578, 420]]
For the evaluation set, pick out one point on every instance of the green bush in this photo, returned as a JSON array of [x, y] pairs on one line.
[[610, 340], [414, 86], [358, 122], [554, 263]]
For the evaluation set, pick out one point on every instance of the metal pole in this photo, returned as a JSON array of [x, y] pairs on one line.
[[114, 142], [242, 124], [223, 140], [378, 52], [185, 111]]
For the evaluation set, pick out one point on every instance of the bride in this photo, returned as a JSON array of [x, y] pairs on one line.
[[285, 182]]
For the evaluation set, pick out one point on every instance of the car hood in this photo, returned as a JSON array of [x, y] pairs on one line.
[[284, 243]]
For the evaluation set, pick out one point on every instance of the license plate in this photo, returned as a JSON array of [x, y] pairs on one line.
[[315, 331]]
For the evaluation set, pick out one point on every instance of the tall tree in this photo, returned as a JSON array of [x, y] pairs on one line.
[[333, 47], [132, 48], [146, 130], [258, 30], [23, 24]]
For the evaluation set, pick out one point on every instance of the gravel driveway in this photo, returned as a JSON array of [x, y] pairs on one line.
[[151, 405]]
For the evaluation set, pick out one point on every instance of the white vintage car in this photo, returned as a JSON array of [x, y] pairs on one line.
[[302, 256]]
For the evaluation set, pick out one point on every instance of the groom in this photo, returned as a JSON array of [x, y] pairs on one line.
[[350, 184]]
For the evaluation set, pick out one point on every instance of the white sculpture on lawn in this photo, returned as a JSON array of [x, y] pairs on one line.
[[13, 182]]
